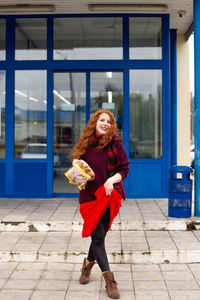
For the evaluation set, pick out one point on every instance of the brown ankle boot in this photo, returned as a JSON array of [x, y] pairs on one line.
[[111, 285], [85, 271]]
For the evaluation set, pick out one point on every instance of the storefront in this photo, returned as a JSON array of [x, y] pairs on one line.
[[56, 70]]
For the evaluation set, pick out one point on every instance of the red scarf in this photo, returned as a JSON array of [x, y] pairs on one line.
[[92, 211], [113, 159]]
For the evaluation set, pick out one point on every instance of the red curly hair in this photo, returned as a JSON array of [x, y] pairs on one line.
[[84, 142]]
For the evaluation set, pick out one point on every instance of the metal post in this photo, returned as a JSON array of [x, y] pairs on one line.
[[197, 103]]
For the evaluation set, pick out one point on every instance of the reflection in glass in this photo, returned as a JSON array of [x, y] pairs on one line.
[[2, 113], [107, 93], [69, 121], [30, 114], [2, 39], [145, 38], [88, 38], [30, 38], [145, 114]]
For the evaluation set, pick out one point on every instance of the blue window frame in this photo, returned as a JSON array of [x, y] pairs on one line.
[[11, 167]]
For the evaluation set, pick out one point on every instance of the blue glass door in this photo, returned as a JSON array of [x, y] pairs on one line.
[[72, 108]]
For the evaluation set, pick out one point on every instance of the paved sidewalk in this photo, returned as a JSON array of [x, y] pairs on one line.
[[49, 230], [154, 257], [58, 281], [59, 214]]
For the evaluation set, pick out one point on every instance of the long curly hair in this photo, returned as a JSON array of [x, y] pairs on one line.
[[85, 140]]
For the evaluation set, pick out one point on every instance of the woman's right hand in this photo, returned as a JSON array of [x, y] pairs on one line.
[[108, 185]]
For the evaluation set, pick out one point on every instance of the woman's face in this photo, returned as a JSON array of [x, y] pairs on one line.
[[103, 124]]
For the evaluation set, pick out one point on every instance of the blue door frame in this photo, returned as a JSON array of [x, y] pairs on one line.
[[14, 171]]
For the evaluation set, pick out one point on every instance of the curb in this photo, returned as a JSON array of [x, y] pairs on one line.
[[62, 226], [128, 257]]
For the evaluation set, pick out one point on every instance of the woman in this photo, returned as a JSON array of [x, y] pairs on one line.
[[100, 201]]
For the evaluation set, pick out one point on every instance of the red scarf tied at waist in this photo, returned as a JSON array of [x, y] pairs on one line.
[[92, 211]]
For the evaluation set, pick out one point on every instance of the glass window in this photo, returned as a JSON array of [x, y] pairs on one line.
[[145, 38], [30, 114], [2, 39], [145, 114], [2, 113], [30, 39], [107, 92], [88, 38], [69, 122]]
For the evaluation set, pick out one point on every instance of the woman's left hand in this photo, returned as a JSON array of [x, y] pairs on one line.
[[108, 185]]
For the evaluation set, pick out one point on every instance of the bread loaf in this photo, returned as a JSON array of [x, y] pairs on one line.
[[80, 173], [83, 165]]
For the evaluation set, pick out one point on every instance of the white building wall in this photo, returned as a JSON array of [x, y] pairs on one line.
[[183, 101]]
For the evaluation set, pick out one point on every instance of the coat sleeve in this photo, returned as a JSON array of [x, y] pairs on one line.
[[123, 168]]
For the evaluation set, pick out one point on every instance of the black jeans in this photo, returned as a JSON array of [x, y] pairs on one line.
[[97, 247]]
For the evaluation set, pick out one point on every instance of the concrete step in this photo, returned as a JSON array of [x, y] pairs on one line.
[[122, 246], [60, 226]]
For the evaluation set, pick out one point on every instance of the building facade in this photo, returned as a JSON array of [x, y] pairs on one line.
[[57, 69]]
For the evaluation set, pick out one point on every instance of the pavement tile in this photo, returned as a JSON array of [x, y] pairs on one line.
[[143, 285], [16, 284], [26, 274], [59, 266], [54, 247], [93, 286], [154, 233], [52, 285], [187, 245], [163, 243], [15, 294], [133, 240], [113, 241], [196, 273], [145, 267], [8, 265], [174, 267], [120, 267], [123, 276], [77, 243], [40, 216], [194, 267], [152, 295], [177, 275], [31, 266], [197, 234], [9, 237], [57, 237], [5, 274], [182, 285], [7, 247], [82, 295], [184, 295], [54, 274], [145, 275], [48, 295], [30, 241], [20, 247], [2, 281]]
